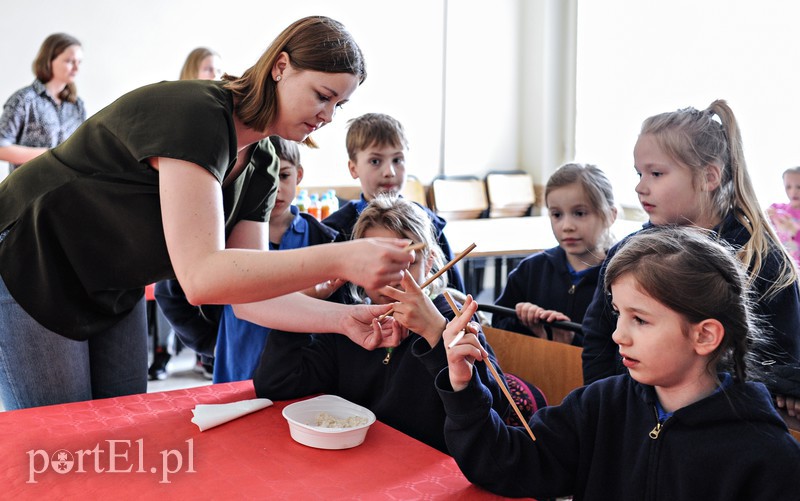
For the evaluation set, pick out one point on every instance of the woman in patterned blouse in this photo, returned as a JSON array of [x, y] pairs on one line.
[[43, 114]]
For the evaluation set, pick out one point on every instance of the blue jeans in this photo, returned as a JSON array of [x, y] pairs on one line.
[[39, 367]]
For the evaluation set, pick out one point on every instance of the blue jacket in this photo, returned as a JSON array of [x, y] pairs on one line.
[[344, 219], [781, 313], [544, 279], [597, 445], [400, 393]]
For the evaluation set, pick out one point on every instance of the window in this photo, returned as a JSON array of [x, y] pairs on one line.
[[640, 58]]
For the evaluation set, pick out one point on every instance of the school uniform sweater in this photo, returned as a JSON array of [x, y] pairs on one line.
[[781, 313], [344, 220], [544, 279], [600, 443], [400, 393]]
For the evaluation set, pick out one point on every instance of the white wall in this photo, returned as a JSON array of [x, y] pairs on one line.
[[130, 43], [641, 58]]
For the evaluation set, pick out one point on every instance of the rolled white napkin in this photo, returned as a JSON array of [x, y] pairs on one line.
[[210, 415]]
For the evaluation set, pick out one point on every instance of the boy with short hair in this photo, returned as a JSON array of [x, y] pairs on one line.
[[376, 145]]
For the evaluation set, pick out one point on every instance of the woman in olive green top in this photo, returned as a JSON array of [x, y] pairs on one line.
[[174, 180]]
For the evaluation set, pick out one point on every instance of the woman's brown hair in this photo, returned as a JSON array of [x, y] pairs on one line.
[[315, 43], [51, 48]]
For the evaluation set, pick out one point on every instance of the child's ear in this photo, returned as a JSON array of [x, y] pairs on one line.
[[428, 262], [299, 169], [707, 336], [713, 177], [351, 166]]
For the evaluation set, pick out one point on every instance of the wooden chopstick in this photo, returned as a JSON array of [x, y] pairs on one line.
[[496, 376], [438, 274], [415, 247]]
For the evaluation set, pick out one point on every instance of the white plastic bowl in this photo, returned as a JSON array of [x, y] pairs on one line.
[[302, 417]]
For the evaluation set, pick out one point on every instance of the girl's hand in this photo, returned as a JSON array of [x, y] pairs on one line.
[[415, 311], [790, 404], [559, 335], [374, 262], [363, 327], [325, 289], [462, 356], [783, 221], [528, 314]]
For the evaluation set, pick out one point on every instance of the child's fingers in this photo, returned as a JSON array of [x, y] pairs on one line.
[[408, 283], [467, 347]]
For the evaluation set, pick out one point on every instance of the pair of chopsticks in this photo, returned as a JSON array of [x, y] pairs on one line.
[[488, 363], [502, 310], [437, 274]]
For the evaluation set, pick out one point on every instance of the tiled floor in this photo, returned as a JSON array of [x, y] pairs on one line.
[[181, 374]]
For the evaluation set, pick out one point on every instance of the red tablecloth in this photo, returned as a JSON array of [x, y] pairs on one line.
[[146, 446]]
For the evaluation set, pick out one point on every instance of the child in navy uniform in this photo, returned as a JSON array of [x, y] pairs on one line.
[[396, 384], [676, 427], [693, 172], [559, 283], [376, 146]]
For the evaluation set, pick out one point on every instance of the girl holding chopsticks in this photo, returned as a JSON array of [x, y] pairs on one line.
[[685, 423], [396, 384], [559, 283]]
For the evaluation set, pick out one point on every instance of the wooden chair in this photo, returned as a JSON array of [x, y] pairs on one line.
[[415, 191], [555, 368], [510, 193], [459, 197], [462, 197]]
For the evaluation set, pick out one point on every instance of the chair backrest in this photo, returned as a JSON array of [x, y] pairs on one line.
[[415, 191], [555, 368], [510, 193], [459, 197]]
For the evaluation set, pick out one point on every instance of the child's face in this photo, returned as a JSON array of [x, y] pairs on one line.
[[666, 189], [380, 169], [419, 269], [653, 339], [791, 183], [289, 177], [577, 226]]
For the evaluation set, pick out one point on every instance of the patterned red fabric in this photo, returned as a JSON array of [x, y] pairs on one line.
[[250, 457], [528, 398]]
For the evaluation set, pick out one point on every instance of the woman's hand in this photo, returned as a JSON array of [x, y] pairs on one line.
[[415, 311], [362, 326], [462, 356], [374, 262]]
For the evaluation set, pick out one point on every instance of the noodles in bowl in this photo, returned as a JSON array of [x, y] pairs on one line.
[[328, 422]]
